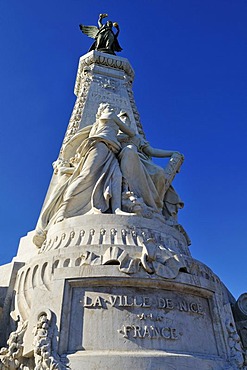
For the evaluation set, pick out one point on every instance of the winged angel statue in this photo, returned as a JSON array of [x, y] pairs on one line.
[[105, 39]]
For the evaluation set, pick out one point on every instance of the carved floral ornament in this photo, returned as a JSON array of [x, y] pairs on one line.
[[45, 356], [108, 61], [11, 356], [45, 343], [238, 356]]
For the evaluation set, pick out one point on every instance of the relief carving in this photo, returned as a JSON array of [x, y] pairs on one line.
[[45, 344], [238, 357], [76, 116], [240, 316], [107, 168], [29, 277], [136, 114], [160, 260], [155, 259], [11, 357], [107, 83], [107, 61]]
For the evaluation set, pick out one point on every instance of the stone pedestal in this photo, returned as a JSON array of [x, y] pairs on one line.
[[114, 291], [110, 312]]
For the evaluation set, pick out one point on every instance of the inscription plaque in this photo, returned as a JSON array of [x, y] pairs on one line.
[[116, 318]]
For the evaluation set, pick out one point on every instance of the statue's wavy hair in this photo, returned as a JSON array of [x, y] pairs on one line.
[[101, 108]]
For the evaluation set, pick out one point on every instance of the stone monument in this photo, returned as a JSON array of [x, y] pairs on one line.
[[106, 280]]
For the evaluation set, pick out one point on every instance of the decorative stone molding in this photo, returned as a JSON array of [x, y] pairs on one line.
[[117, 230], [155, 259], [45, 344], [30, 276], [136, 114], [76, 115], [102, 59], [242, 306], [237, 354], [240, 316], [199, 269], [11, 356]]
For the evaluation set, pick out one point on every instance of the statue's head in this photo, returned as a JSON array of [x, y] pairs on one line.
[[109, 24], [104, 107], [124, 116], [59, 163]]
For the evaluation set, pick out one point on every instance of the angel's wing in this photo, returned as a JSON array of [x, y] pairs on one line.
[[90, 31]]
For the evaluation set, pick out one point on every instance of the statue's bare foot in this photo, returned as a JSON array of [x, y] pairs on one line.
[[94, 211], [118, 211]]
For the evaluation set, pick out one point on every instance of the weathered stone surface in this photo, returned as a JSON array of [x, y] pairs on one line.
[[101, 311]]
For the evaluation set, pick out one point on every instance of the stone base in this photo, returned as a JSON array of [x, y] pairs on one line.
[[149, 360], [110, 298], [110, 320]]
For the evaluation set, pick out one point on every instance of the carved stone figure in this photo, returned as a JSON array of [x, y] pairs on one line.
[[45, 355], [107, 168], [95, 185], [142, 177], [11, 357], [105, 39], [236, 348], [62, 170]]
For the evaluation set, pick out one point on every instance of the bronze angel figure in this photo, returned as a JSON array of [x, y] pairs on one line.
[[105, 39]]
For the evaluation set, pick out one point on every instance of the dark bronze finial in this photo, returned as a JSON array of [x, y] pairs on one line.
[[105, 39]]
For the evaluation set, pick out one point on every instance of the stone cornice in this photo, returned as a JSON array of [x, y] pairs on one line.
[[105, 60]]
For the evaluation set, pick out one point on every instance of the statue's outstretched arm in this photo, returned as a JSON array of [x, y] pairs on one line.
[[115, 24], [159, 153], [123, 127], [101, 16]]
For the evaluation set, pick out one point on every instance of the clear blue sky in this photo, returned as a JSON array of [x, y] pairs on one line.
[[191, 91]]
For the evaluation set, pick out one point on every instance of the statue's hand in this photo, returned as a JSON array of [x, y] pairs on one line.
[[136, 140], [177, 153], [103, 15]]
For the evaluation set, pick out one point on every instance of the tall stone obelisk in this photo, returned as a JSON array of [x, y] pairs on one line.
[[107, 281]]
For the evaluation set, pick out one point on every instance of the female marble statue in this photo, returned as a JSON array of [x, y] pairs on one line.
[[143, 177], [96, 183], [109, 158]]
